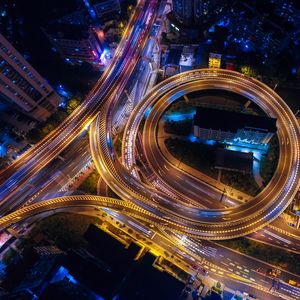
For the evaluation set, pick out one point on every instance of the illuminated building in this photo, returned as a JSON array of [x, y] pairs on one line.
[[188, 12], [266, 30], [215, 60], [21, 84], [247, 70], [172, 61], [194, 12], [189, 18], [232, 127], [76, 44], [180, 59]]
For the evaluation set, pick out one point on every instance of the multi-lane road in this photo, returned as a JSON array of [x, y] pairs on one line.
[[163, 207], [13, 178], [223, 264], [191, 189], [216, 224]]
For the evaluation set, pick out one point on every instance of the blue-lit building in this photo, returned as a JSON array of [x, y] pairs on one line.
[[190, 19], [188, 12], [265, 29], [194, 12], [233, 127], [100, 10], [22, 86]]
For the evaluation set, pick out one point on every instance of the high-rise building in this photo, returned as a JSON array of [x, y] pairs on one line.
[[76, 44], [193, 12], [183, 11], [22, 85]]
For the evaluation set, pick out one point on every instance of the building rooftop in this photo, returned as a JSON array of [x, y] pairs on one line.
[[234, 160], [173, 57], [38, 274], [67, 31], [217, 119]]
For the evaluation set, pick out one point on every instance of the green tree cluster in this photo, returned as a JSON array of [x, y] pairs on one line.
[[273, 255], [183, 127], [72, 105], [43, 129], [242, 182], [202, 157], [197, 155], [179, 106], [269, 162], [89, 185], [66, 229]]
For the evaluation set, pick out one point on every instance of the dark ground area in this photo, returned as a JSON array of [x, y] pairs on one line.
[[291, 97]]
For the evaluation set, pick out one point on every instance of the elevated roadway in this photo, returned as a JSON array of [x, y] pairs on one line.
[[139, 199], [208, 224], [111, 84], [191, 252], [72, 202]]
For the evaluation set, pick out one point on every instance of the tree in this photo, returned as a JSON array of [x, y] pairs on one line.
[[3, 161], [72, 105], [59, 116]]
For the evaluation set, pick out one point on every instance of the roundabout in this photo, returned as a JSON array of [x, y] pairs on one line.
[[204, 223]]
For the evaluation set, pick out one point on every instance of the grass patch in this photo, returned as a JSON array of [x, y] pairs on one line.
[[183, 127], [269, 163]]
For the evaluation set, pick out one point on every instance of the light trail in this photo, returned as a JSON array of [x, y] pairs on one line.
[[208, 224]]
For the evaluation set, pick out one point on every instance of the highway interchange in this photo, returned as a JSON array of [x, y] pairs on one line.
[[116, 75], [217, 224], [163, 205]]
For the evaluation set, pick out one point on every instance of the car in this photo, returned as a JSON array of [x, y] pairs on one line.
[[294, 283], [185, 295], [203, 271], [187, 290], [252, 296], [291, 224]]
